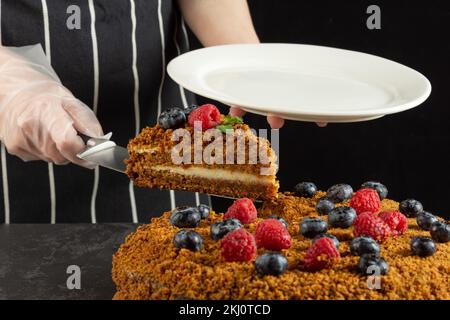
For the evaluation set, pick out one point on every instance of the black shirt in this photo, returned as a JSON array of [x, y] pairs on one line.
[[112, 58]]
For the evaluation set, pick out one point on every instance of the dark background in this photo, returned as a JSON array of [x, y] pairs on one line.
[[407, 151]]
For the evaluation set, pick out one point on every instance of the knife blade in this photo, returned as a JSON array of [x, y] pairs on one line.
[[104, 152]]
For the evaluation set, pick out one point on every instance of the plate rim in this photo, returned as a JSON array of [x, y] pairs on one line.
[[270, 110]]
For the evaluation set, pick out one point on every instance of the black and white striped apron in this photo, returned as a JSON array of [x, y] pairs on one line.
[[115, 63]]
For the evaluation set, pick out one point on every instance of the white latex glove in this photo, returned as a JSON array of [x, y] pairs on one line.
[[39, 117]]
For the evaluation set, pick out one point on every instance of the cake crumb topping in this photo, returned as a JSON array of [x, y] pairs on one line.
[[148, 266]]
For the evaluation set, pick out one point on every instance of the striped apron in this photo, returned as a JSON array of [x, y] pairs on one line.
[[112, 55]]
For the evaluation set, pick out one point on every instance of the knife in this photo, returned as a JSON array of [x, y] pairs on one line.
[[104, 152]]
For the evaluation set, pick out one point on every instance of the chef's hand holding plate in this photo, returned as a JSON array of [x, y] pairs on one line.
[[274, 121]]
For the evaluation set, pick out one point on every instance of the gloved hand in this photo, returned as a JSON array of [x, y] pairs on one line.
[[39, 117]]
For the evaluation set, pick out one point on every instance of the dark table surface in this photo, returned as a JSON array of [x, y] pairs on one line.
[[34, 259]]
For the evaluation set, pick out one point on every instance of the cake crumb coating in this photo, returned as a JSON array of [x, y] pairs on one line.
[[148, 266]]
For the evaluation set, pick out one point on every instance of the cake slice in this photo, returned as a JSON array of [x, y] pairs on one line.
[[201, 150]]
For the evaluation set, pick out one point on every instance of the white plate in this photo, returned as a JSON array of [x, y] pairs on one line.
[[301, 82]]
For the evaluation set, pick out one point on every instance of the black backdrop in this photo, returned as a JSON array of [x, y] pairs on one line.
[[407, 151]]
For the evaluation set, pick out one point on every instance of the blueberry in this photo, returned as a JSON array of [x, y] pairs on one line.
[[271, 263], [410, 207], [425, 220], [342, 217], [378, 264], [204, 210], [423, 246], [188, 239], [221, 228], [324, 206], [378, 186], [189, 109], [185, 217], [172, 118], [284, 222], [305, 189], [440, 231], [339, 192], [364, 245], [335, 240], [311, 227]]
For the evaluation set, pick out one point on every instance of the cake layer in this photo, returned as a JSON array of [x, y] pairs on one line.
[[148, 266], [156, 145], [213, 181], [214, 174]]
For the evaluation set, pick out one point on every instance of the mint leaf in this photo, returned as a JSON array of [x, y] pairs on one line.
[[231, 120], [224, 127]]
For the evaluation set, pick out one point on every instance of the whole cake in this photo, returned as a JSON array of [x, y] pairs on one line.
[[220, 156], [302, 245]]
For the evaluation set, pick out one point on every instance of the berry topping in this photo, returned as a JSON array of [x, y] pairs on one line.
[[172, 118], [440, 232], [271, 263], [324, 206], [423, 246], [188, 239], [189, 109], [322, 254], [366, 200], [410, 207], [185, 217], [368, 224], [364, 245], [425, 220], [242, 209], [341, 217], [370, 264], [271, 234], [305, 189], [327, 235], [208, 115], [378, 187], [221, 228], [311, 227], [396, 221], [204, 210], [339, 192], [238, 245], [284, 222]]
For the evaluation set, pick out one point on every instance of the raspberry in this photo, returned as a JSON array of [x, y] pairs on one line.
[[365, 200], [368, 224], [322, 254], [243, 209], [272, 235], [238, 245], [396, 221], [207, 114]]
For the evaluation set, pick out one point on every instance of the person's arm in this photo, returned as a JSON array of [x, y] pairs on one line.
[[217, 22]]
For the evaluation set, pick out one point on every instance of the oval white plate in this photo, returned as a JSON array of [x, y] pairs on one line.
[[301, 82]]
